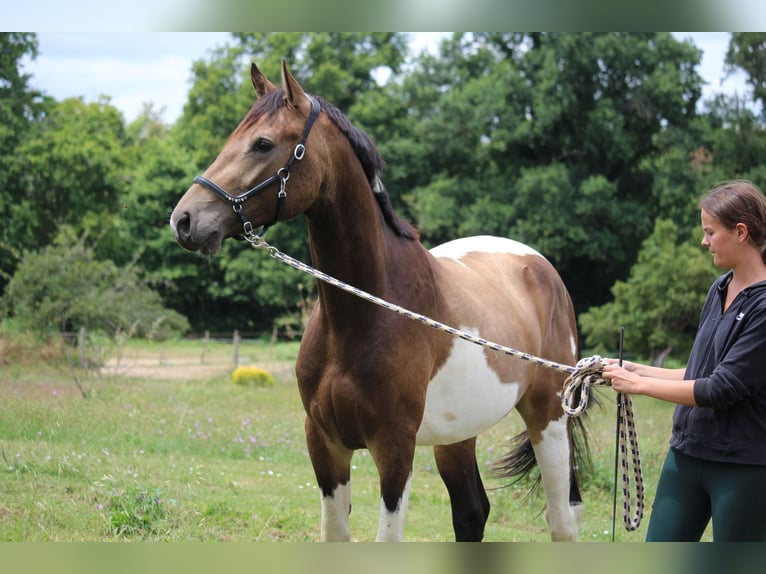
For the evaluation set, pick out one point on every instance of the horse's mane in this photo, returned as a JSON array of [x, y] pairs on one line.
[[368, 155]]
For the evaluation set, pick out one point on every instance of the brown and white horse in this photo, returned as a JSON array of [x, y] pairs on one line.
[[370, 378]]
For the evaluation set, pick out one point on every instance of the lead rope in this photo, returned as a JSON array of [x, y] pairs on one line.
[[627, 430], [585, 373]]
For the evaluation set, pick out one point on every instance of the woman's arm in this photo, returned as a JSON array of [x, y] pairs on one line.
[[670, 387]]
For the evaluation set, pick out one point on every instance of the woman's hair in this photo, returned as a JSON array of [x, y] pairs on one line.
[[739, 201]]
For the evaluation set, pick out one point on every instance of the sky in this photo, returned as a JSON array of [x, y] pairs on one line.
[[134, 68]]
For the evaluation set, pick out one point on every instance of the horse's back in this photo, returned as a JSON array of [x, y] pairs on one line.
[[506, 288]]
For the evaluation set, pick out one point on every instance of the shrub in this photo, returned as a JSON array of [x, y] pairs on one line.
[[252, 377], [64, 287]]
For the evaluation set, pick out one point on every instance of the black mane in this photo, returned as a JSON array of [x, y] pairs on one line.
[[372, 163]]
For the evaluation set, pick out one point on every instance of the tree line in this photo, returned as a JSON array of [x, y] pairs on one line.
[[591, 147]]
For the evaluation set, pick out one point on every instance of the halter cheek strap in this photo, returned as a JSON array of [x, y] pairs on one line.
[[281, 176]]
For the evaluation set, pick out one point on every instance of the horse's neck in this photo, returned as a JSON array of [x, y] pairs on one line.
[[351, 242]]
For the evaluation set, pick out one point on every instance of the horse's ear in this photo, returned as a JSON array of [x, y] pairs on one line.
[[261, 83], [294, 94]]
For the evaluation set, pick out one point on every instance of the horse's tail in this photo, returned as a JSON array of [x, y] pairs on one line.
[[520, 461]]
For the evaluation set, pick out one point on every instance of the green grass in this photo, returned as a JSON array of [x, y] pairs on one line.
[[180, 458]]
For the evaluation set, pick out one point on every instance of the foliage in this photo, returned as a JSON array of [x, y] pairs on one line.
[[252, 376], [63, 287], [659, 304], [20, 108], [747, 51], [542, 137], [575, 143]]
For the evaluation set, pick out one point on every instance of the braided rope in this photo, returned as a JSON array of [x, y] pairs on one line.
[[585, 373], [627, 434]]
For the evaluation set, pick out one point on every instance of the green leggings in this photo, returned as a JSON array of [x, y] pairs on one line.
[[691, 491]]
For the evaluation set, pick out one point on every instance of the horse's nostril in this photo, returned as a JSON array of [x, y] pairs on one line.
[[183, 226]]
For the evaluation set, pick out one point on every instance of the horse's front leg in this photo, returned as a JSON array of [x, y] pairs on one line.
[[332, 467], [394, 458]]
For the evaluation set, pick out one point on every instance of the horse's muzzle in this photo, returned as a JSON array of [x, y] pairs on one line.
[[188, 236]]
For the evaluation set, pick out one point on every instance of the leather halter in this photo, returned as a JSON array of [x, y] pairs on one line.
[[281, 176]]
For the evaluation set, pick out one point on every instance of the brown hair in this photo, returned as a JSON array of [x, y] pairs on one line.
[[739, 201]]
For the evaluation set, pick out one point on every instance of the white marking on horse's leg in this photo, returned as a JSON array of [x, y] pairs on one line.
[[335, 511], [552, 454], [578, 509], [391, 524]]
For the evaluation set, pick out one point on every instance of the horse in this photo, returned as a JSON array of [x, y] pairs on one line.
[[372, 379]]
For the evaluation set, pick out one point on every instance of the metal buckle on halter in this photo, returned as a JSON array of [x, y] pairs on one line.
[[284, 175], [247, 226], [299, 151]]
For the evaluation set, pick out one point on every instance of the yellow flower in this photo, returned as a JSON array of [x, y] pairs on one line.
[[252, 377]]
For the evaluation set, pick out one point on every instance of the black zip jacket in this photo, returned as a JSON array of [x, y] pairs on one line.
[[728, 365]]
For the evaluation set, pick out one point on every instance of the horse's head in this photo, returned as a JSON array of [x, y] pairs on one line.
[[246, 186]]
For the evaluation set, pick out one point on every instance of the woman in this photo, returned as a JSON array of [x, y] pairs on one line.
[[716, 466]]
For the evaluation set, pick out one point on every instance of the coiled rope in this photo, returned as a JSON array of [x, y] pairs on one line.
[[587, 372]]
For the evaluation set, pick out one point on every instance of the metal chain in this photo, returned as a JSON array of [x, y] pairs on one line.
[[585, 373]]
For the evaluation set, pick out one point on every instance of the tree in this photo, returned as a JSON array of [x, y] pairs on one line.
[[747, 50], [660, 303], [339, 66], [542, 137], [73, 167], [64, 287], [20, 107], [574, 143]]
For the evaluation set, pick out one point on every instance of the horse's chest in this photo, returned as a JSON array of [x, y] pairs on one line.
[[465, 398]]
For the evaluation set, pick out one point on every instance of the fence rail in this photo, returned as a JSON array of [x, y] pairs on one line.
[[88, 349]]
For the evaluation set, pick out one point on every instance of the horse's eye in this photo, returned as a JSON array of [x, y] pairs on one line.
[[262, 145]]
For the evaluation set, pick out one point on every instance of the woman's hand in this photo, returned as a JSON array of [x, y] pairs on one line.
[[627, 365], [623, 378]]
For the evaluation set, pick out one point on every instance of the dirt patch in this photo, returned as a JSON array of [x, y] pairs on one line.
[[184, 370], [154, 369]]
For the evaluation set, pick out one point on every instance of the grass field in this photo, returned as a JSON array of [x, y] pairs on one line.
[[165, 447]]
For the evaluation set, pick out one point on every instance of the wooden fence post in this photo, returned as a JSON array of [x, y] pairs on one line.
[[236, 340], [81, 338], [205, 343]]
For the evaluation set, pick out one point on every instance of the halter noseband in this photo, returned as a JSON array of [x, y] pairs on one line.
[[281, 176]]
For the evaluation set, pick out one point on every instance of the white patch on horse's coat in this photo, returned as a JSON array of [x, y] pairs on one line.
[[334, 511], [459, 248], [465, 398], [552, 454], [391, 524]]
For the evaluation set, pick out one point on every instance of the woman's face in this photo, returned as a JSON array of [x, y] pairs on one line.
[[724, 244]]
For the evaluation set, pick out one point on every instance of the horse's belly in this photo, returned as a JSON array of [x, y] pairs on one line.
[[465, 398]]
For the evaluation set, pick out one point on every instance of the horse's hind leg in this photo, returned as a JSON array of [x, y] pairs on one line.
[[332, 467], [553, 454], [470, 505], [551, 440]]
